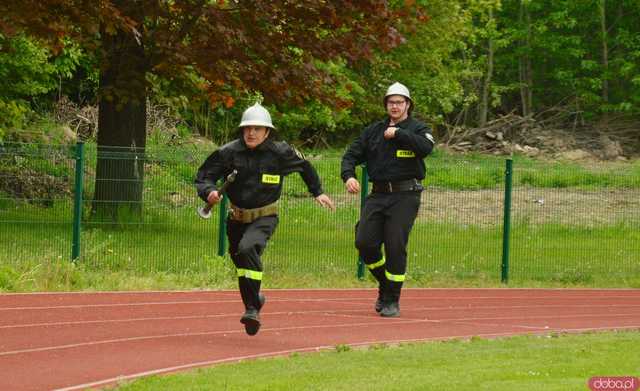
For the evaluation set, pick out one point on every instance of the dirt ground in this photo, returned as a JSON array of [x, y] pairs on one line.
[[533, 205], [528, 205]]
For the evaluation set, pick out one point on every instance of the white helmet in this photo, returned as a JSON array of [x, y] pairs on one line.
[[256, 115], [397, 89]]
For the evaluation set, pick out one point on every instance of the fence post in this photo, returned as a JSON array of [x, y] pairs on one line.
[[506, 226], [77, 201], [364, 190], [222, 227]]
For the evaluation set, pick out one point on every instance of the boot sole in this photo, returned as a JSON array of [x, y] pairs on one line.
[[251, 325]]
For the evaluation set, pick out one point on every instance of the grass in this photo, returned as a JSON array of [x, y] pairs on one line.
[[457, 242], [534, 362], [585, 234], [318, 245], [55, 274]]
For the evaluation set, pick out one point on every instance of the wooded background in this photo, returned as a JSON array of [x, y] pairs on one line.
[[488, 75]]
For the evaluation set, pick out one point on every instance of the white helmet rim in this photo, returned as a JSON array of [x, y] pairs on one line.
[[256, 115], [397, 89]]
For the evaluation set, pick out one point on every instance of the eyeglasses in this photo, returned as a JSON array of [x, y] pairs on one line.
[[254, 129], [396, 102]]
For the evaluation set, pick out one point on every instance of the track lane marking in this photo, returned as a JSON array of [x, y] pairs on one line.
[[158, 371], [396, 321], [125, 320], [328, 299]]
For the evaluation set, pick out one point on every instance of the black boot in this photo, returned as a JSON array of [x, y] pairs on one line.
[[390, 309], [379, 302], [391, 302], [251, 321], [250, 292], [253, 301], [378, 273], [251, 317]]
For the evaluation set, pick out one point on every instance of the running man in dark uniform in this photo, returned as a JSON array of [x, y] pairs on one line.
[[393, 150], [261, 164]]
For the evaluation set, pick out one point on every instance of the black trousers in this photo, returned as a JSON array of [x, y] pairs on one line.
[[246, 244], [387, 218]]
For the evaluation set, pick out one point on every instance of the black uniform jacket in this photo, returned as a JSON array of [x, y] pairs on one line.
[[260, 172], [397, 159]]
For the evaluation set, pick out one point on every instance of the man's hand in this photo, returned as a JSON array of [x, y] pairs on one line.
[[213, 197], [390, 132], [325, 202], [352, 185]]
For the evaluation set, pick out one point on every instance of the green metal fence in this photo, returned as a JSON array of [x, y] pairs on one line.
[[557, 222]]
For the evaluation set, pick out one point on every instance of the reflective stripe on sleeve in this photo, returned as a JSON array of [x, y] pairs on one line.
[[252, 274]]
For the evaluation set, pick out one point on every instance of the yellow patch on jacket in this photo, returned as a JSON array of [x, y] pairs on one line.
[[402, 153], [271, 179]]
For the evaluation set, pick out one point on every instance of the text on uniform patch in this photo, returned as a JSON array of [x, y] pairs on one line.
[[405, 153], [273, 179]]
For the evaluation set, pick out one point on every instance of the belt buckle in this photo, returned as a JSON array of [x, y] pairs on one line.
[[245, 216]]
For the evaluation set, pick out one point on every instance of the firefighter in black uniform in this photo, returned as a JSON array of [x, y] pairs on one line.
[[261, 165], [393, 150]]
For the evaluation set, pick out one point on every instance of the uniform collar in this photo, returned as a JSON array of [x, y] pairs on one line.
[[400, 124], [265, 144]]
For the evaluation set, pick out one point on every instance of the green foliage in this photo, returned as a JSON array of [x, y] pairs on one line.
[[443, 61], [51, 274], [13, 114], [24, 68], [8, 278], [465, 175], [566, 49], [342, 348], [28, 72], [567, 176]]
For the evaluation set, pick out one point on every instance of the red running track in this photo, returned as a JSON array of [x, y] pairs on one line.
[[77, 340]]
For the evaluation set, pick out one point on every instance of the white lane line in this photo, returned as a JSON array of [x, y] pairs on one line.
[[139, 304], [314, 312], [524, 318], [83, 322], [482, 321], [395, 321], [111, 305], [277, 300], [188, 366], [407, 289], [224, 332], [329, 299], [158, 371]]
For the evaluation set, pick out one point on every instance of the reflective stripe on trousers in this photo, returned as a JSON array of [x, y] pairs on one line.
[[251, 274]]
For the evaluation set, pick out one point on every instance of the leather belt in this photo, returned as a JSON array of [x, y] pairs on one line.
[[393, 187], [247, 216]]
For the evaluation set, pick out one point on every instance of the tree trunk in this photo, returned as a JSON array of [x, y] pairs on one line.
[[605, 54], [605, 62], [121, 130], [484, 99], [524, 63]]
